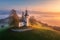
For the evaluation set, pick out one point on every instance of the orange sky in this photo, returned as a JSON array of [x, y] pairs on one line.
[[47, 7], [35, 5]]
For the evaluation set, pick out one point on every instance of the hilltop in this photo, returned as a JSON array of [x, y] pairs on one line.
[[39, 32], [35, 34]]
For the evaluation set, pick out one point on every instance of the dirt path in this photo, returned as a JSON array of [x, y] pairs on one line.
[[21, 30]]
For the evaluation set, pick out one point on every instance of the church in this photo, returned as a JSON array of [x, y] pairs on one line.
[[19, 22], [24, 19]]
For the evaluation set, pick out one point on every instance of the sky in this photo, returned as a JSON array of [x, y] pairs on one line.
[[48, 6], [36, 5]]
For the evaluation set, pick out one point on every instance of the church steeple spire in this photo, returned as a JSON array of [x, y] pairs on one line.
[[26, 13], [24, 18]]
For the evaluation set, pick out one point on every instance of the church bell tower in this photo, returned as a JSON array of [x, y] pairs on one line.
[[24, 18]]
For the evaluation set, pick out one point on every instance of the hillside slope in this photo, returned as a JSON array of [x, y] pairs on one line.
[[35, 34], [38, 32]]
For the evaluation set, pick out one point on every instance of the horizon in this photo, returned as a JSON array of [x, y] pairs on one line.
[[52, 19], [48, 10]]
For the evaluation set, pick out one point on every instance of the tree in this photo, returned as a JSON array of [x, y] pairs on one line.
[[32, 20], [14, 19]]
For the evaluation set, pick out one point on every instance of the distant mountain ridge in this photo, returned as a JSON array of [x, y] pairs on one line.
[[5, 20], [4, 12]]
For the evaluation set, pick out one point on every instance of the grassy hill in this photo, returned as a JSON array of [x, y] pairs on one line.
[[38, 32], [35, 34]]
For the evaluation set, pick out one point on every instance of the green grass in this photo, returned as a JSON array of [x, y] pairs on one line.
[[36, 34]]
